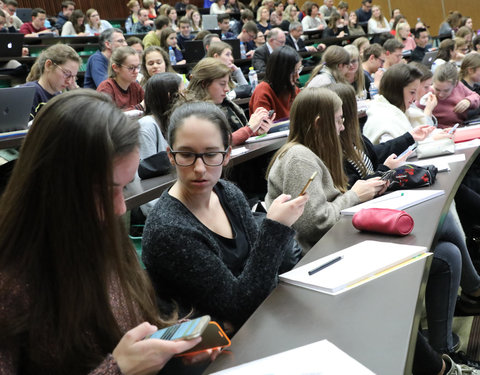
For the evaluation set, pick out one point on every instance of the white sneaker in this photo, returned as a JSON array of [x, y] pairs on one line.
[[459, 369]]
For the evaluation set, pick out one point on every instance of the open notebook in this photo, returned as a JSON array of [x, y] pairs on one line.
[[319, 358], [398, 200], [357, 264]]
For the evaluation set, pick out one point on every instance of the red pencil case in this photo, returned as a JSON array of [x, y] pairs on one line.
[[383, 220]]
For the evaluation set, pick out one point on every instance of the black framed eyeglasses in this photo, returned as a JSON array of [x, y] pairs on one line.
[[187, 158], [66, 73]]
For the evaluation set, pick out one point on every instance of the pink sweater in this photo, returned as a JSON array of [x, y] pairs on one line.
[[444, 109], [409, 44]]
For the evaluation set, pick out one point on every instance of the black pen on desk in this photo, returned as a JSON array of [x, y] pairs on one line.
[[323, 266]]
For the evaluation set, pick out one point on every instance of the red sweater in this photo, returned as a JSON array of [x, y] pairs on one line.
[[444, 109], [28, 28], [263, 96], [126, 100]]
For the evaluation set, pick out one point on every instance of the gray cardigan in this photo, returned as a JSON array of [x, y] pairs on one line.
[[289, 174], [184, 259]]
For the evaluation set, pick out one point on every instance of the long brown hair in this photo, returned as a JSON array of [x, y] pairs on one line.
[[312, 124], [350, 138], [61, 239]]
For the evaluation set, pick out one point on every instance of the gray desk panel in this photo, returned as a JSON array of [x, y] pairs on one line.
[[366, 322], [376, 323]]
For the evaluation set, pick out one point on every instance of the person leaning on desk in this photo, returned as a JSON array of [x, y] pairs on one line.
[[364, 160], [73, 297], [201, 237], [54, 71], [211, 82]]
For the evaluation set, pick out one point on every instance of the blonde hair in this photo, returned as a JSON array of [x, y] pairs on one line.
[[401, 26], [287, 11], [359, 76], [58, 54], [312, 124], [132, 3], [118, 57], [259, 12], [381, 18]]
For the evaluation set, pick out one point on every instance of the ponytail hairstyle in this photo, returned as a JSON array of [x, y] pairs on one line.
[[332, 58], [58, 54]]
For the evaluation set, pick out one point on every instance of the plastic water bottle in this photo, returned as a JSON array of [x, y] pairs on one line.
[[243, 51], [171, 54], [252, 78], [373, 90]]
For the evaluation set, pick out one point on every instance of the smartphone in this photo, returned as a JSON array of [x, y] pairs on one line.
[[409, 148], [454, 128], [270, 113], [307, 184], [212, 338], [182, 331]]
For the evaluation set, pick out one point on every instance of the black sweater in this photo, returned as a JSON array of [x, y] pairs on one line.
[[184, 259], [377, 154]]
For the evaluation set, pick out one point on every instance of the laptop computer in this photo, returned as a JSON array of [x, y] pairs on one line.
[[209, 21], [11, 44], [429, 58], [235, 43], [194, 51], [25, 14], [15, 106]]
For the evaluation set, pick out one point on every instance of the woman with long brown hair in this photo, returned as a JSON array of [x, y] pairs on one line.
[[313, 145], [74, 297]]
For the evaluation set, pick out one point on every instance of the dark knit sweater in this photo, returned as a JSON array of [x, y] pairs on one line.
[[184, 259]]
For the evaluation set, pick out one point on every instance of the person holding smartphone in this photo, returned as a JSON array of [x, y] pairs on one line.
[[201, 244], [451, 266], [73, 295], [211, 80], [313, 145]]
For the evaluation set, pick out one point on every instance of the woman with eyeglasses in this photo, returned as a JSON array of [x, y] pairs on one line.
[[95, 25], [121, 83], [201, 239], [54, 71], [278, 89], [355, 75], [313, 145]]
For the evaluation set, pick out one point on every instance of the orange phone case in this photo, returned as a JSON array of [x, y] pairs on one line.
[[212, 338]]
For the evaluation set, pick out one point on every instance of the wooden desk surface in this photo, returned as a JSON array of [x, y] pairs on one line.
[[375, 323]]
